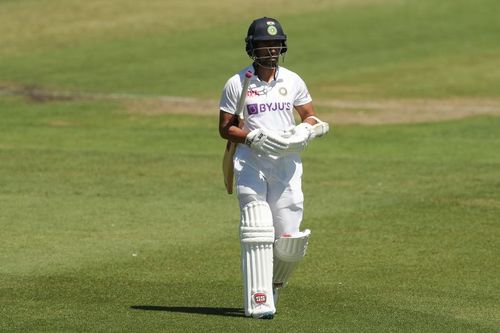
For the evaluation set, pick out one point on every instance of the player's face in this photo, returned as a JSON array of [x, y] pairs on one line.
[[267, 52]]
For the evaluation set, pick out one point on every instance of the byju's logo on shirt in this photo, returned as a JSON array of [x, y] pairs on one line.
[[256, 108]]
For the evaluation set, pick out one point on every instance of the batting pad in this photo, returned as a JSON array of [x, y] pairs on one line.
[[289, 250], [257, 238]]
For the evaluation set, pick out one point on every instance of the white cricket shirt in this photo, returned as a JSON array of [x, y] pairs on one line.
[[268, 104]]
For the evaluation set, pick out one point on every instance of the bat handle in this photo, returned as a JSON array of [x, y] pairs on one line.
[[241, 101]]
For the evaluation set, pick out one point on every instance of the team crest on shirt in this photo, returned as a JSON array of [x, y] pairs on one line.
[[283, 91]]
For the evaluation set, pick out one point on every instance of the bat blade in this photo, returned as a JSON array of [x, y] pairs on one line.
[[227, 166]]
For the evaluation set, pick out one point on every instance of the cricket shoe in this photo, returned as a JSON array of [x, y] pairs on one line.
[[263, 315], [264, 312]]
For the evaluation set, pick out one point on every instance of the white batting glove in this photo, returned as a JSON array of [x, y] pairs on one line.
[[265, 142], [301, 134], [286, 133], [319, 129], [303, 130]]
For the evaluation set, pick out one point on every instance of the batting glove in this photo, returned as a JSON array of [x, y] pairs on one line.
[[266, 142], [301, 134], [319, 129]]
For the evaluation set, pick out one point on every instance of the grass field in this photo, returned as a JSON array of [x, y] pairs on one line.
[[113, 213]]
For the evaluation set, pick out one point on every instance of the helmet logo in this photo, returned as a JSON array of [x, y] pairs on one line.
[[272, 30]]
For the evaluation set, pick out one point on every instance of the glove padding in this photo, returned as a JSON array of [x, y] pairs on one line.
[[265, 142], [319, 129], [299, 136]]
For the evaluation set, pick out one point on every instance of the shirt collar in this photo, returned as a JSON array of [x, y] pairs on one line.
[[276, 72]]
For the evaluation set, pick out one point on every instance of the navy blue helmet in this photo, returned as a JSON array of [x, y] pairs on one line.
[[264, 29]]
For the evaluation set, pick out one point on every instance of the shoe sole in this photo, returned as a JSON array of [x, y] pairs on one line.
[[267, 315]]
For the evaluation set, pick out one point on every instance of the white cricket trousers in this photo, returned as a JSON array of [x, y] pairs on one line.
[[278, 182]]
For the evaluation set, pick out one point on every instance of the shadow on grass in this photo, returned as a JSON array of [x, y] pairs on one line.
[[228, 312]]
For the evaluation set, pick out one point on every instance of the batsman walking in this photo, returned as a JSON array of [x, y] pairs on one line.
[[257, 118]]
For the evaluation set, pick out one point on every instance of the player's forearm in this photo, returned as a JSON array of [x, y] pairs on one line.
[[307, 113], [234, 134], [229, 128]]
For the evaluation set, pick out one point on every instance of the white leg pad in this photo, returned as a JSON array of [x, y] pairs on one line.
[[289, 250], [257, 238]]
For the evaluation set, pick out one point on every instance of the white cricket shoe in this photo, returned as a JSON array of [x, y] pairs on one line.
[[267, 314]]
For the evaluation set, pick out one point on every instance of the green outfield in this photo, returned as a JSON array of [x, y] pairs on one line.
[[113, 212]]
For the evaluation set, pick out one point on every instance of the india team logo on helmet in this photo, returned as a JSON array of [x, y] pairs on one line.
[[272, 30], [262, 29]]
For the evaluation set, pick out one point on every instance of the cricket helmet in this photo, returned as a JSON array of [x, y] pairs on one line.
[[262, 29]]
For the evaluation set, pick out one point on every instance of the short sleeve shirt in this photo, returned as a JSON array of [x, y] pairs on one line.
[[268, 104]]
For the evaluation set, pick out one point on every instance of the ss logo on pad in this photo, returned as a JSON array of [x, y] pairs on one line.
[[260, 298]]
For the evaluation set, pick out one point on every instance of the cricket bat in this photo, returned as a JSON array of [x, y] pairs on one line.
[[227, 159]]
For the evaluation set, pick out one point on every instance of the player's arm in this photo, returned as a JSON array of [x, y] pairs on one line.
[[229, 129], [305, 112]]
